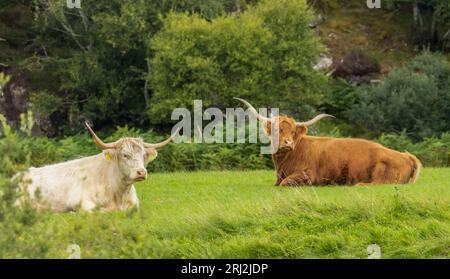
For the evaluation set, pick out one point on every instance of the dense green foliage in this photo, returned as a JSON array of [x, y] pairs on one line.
[[108, 65], [242, 215], [415, 98], [16, 223], [265, 54], [130, 62], [433, 152], [175, 157], [96, 57]]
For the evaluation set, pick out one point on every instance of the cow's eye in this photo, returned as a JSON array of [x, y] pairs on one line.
[[127, 156]]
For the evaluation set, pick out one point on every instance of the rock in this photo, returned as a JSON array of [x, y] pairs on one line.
[[318, 21], [357, 67], [332, 35], [324, 63]]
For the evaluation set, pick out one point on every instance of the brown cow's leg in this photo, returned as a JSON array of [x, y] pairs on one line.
[[279, 180], [298, 179]]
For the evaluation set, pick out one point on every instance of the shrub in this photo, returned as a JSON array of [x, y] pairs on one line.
[[433, 151], [342, 95], [193, 157], [15, 222], [174, 157], [415, 98], [95, 72], [265, 54]]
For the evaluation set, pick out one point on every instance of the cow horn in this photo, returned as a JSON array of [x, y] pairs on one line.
[[163, 143], [98, 141], [253, 111], [314, 120]]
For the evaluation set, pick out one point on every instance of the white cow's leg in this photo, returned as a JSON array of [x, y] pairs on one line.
[[131, 200], [88, 205]]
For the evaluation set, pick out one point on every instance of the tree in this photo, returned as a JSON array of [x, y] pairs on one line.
[[265, 55], [98, 55], [431, 21]]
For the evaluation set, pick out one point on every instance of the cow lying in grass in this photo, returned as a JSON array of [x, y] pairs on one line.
[[103, 181], [307, 160]]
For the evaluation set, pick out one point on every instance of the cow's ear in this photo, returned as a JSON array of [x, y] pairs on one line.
[[301, 130], [150, 154]]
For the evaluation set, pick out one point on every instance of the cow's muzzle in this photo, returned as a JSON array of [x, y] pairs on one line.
[[141, 175], [286, 148]]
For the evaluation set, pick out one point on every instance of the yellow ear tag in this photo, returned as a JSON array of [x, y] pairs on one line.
[[107, 156]]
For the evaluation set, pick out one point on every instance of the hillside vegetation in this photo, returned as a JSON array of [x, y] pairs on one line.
[[71, 65]]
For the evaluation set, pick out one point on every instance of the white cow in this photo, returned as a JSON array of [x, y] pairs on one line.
[[103, 181]]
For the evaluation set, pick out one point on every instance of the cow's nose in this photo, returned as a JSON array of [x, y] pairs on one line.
[[289, 142], [141, 173]]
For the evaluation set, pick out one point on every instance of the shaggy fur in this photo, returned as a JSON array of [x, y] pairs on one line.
[[103, 181], [335, 161]]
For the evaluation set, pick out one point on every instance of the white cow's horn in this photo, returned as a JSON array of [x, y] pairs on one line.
[[163, 143], [98, 141]]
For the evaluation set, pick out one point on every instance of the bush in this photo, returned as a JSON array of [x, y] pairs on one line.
[[265, 55], [15, 222], [174, 157], [194, 157], [342, 95], [433, 151], [96, 58], [415, 98]]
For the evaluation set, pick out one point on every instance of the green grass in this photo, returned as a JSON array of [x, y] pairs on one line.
[[242, 215]]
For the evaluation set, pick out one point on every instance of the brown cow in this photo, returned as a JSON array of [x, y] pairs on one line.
[[307, 160]]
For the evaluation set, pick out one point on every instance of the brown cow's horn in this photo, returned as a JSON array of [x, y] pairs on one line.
[[98, 141], [314, 120], [253, 111], [163, 143]]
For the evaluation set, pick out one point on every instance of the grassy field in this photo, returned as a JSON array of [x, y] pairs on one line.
[[242, 215]]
